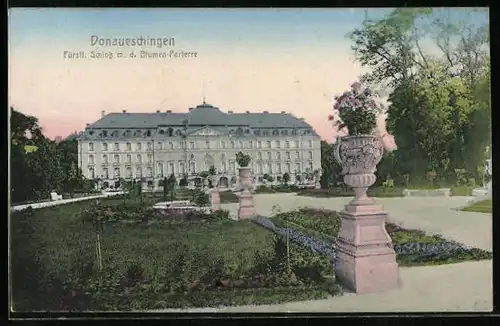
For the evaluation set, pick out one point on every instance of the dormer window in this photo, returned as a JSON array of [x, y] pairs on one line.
[[178, 132], [257, 132], [276, 132], [148, 133], [284, 132], [170, 132], [105, 133], [161, 132]]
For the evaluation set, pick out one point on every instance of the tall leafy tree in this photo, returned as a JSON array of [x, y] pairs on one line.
[[330, 168]]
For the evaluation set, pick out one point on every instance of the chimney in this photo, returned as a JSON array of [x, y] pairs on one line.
[[190, 109], [169, 111], [247, 111], [103, 113], [124, 111], [283, 112], [157, 111], [229, 111], [301, 118], [266, 112], [87, 124]]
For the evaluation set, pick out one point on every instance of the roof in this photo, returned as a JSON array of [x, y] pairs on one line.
[[202, 115]]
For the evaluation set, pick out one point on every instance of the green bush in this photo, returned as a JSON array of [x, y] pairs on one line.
[[345, 192]]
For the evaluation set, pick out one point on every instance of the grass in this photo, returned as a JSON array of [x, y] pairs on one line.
[[54, 242], [325, 225], [483, 206], [462, 190], [379, 192]]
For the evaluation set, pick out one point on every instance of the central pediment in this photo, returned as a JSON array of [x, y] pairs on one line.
[[205, 131]]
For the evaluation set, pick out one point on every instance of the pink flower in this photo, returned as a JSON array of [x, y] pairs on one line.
[[389, 142], [372, 104], [356, 103], [330, 117], [336, 106], [356, 86]]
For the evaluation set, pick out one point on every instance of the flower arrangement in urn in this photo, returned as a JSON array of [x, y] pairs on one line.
[[362, 118], [242, 159]]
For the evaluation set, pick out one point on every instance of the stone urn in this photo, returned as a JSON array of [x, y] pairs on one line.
[[317, 178], [365, 260], [215, 198], [246, 208]]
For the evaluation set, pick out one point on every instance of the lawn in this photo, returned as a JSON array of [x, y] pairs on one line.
[[414, 247], [347, 192], [483, 206], [153, 261]]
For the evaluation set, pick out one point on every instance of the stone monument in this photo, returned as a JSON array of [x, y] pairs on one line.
[[246, 208]]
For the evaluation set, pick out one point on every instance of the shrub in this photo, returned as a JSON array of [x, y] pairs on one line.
[[242, 159]]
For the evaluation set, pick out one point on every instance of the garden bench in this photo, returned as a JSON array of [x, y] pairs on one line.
[[55, 196]]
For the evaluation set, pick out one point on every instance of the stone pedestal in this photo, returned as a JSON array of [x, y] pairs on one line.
[[366, 260], [246, 209], [215, 198]]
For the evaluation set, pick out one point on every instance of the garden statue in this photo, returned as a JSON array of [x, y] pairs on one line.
[[365, 260], [245, 187], [317, 178]]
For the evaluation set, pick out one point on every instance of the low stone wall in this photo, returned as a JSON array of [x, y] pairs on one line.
[[427, 192], [62, 201]]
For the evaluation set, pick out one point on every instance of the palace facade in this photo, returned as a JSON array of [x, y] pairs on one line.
[[151, 146]]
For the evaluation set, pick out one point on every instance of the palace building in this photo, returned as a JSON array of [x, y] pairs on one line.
[[151, 146]]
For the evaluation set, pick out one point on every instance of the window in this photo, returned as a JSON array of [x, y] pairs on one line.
[[250, 144], [105, 133], [159, 169], [297, 144], [104, 147], [224, 167], [297, 155], [287, 144], [278, 167], [117, 158], [150, 172], [139, 146], [91, 173], [171, 168], [150, 158], [288, 168], [268, 144], [259, 168], [287, 155], [171, 145], [129, 172], [259, 144], [129, 146], [278, 156], [310, 144], [129, 158], [138, 172], [139, 158], [259, 156], [117, 146], [269, 168], [242, 145], [222, 144], [160, 145], [105, 173], [148, 133], [91, 159], [310, 166], [150, 146], [297, 167], [182, 167], [207, 144], [91, 147], [117, 173], [310, 155], [269, 156], [232, 144], [105, 159], [191, 144], [278, 144], [192, 167]]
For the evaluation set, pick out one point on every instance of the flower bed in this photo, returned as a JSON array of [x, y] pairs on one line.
[[316, 230], [183, 262], [379, 192]]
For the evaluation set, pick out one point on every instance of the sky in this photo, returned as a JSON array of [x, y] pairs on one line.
[[293, 60]]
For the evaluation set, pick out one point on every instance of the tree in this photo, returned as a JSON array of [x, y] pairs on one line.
[[47, 172], [286, 178], [73, 179], [330, 168], [171, 183]]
